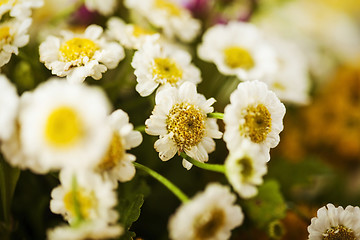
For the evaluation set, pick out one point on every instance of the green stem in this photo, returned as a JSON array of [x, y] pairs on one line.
[[216, 115], [78, 215], [174, 189], [207, 166]]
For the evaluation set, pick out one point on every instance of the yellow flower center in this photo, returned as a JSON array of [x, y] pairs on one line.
[[139, 31], [2, 2], [113, 155], [78, 50], [187, 123], [5, 34], [209, 223], [237, 57], [168, 6], [80, 202], [246, 168], [63, 127], [339, 233], [257, 123], [166, 70]]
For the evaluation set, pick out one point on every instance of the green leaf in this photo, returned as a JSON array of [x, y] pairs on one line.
[[131, 198], [267, 206]]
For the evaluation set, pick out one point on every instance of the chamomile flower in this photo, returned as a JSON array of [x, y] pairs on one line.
[[84, 197], [180, 120], [162, 64], [85, 231], [238, 49], [335, 223], [245, 168], [9, 103], [78, 56], [254, 113], [63, 125], [13, 35], [168, 15], [116, 164], [105, 7], [291, 82], [129, 35], [211, 215], [19, 8]]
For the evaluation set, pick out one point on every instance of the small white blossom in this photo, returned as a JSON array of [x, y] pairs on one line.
[[105, 7]]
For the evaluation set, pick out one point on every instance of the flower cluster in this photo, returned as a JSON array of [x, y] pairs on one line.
[[192, 86]]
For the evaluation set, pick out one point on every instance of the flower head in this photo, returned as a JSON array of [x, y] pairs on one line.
[[211, 214], [106, 7], [116, 164], [171, 17], [19, 8], [78, 56], [63, 125], [161, 64], [180, 120], [245, 168], [238, 49], [254, 113], [335, 223]]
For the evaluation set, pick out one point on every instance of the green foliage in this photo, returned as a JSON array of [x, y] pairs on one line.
[[131, 198], [267, 206]]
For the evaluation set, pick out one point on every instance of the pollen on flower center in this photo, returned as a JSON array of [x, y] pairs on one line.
[[4, 34], [207, 224], [237, 57], [339, 233], [2, 2], [247, 168], [78, 50], [168, 6], [166, 70], [113, 155], [63, 127], [186, 121], [79, 202], [257, 123]]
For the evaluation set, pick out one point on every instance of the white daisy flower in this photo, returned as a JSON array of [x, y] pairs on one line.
[[84, 197], [63, 125], [210, 215], [168, 15], [116, 164], [254, 113], [129, 35], [13, 35], [78, 56], [19, 8], [239, 49], [86, 231], [179, 118], [105, 7], [291, 82], [9, 103], [162, 64], [245, 168], [335, 223]]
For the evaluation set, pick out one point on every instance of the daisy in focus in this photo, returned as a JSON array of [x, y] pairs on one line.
[[254, 113], [116, 164], [246, 167], [169, 15], [180, 120], [78, 56], [9, 103], [335, 223], [162, 64], [19, 8], [211, 214], [13, 35], [239, 49], [64, 125], [129, 35], [83, 197]]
